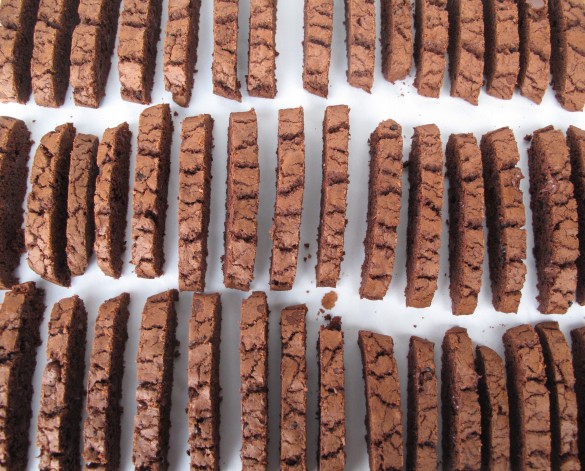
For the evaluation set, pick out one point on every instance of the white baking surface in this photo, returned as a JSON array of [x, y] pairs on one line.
[[390, 316]]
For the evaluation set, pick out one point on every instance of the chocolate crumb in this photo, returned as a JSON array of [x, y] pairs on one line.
[[528, 137], [329, 300]]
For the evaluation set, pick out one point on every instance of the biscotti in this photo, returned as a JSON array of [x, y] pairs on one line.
[[21, 315], [61, 399], [431, 41], [502, 47], [149, 197], [466, 212], [102, 427], [576, 142], [154, 371], [422, 441], [460, 403], [91, 50], [529, 399], [111, 198], [385, 191], [396, 20], [80, 218], [425, 203], [505, 218], [578, 357], [243, 181], [360, 27], [318, 21], [180, 49], [384, 432], [139, 32], [17, 22], [224, 68], [331, 408], [46, 217], [195, 159], [554, 219], [334, 185], [15, 144], [254, 381], [288, 206], [293, 390], [261, 78], [203, 381]]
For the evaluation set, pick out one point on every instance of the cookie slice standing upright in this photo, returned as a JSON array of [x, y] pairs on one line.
[[224, 68], [576, 142], [396, 19], [318, 21], [578, 357], [360, 28], [261, 78]]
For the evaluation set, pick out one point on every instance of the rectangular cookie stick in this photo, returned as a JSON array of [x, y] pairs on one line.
[[578, 357], [318, 21], [396, 26], [576, 143], [360, 28], [224, 68], [261, 78]]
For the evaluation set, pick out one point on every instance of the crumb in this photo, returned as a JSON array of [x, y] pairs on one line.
[[307, 291], [175, 114], [305, 259], [405, 164], [414, 325], [34, 120], [528, 137], [307, 245], [327, 317], [329, 300], [321, 310], [309, 256]]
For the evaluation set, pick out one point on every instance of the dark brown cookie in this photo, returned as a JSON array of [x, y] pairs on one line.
[[224, 69], [576, 142], [318, 22], [360, 28], [261, 78], [396, 39], [578, 340]]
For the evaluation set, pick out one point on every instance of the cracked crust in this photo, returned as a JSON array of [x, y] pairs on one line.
[[422, 441], [195, 160], [293, 399], [224, 68], [529, 399], [62, 391], [396, 39], [154, 370], [505, 218], [576, 142], [385, 191], [554, 209], [318, 21], [333, 195], [288, 206], [495, 420], [254, 381], [578, 354], [261, 78], [21, 315], [382, 389], [101, 430], [180, 49], [80, 223], [111, 199], [243, 180], [46, 217], [15, 144], [203, 381], [466, 246], [360, 27]]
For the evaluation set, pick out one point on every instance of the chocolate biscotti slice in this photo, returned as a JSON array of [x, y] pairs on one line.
[[460, 402], [224, 68], [203, 381], [505, 218], [554, 218], [137, 38], [15, 144], [254, 381], [535, 48], [50, 62], [495, 413], [466, 212], [318, 21], [360, 30], [384, 432], [529, 399], [92, 46], [102, 427], [149, 196], [293, 389], [180, 49], [431, 40], [385, 191], [334, 185], [261, 78], [80, 218], [17, 23], [46, 217], [422, 440], [502, 47], [195, 159], [578, 357], [396, 26], [288, 206], [62, 391], [154, 370], [111, 198], [21, 315], [331, 408], [576, 142], [243, 181]]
